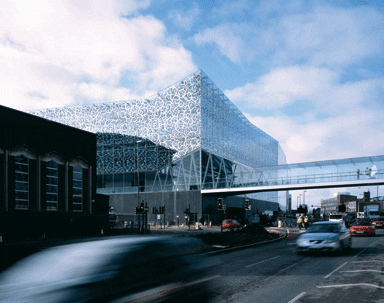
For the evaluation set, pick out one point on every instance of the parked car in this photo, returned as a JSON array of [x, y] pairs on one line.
[[326, 236], [378, 222], [127, 269], [362, 228], [230, 224]]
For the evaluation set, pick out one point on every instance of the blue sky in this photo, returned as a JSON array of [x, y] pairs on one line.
[[309, 73]]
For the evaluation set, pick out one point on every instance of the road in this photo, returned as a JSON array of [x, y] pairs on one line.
[[276, 273]]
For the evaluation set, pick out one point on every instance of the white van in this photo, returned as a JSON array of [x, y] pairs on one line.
[[336, 217]]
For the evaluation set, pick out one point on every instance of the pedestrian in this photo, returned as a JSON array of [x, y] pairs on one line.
[[367, 171], [300, 222], [358, 174], [306, 222]]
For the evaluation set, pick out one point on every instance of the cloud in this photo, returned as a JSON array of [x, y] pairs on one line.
[[228, 38], [283, 86], [185, 19], [319, 35], [51, 48]]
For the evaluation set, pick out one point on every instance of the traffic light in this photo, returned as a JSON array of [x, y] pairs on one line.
[[220, 203], [342, 208], [246, 204]]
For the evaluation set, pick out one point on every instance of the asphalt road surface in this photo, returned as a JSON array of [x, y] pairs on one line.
[[276, 273]]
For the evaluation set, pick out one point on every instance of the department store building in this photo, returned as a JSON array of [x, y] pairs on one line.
[[165, 149]]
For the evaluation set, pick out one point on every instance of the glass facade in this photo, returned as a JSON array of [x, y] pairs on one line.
[[189, 136]]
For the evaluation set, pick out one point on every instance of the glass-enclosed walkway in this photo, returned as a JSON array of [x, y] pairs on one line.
[[323, 174]]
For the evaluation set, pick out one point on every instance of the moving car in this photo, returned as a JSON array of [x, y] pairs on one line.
[[230, 224], [362, 228], [324, 237], [378, 222], [124, 269]]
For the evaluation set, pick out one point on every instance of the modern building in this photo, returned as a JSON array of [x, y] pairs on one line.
[[165, 149], [48, 178], [331, 204]]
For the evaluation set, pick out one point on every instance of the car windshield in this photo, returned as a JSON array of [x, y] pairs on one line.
[[323, 228], [362, 223]]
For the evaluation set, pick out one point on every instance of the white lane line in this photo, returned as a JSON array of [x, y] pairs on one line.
[[291, 244], [349, 285], [361, 252], [289, 267], [363, 270], [262, 261], [327, 276], [367, 261], [297, 297], [375, 242]]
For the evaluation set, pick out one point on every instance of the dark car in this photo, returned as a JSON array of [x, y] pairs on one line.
[[136, 269]]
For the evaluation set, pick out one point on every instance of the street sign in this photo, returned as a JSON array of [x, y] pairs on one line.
[[146, 208]]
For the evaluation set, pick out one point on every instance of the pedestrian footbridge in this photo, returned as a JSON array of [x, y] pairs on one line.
[[351, 172]]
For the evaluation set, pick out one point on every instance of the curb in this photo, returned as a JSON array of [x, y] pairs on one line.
[[227, 249]]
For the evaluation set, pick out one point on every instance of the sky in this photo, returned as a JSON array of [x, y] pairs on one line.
[[308, 73]]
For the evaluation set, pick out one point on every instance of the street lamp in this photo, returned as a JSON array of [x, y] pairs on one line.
[[304, 196]]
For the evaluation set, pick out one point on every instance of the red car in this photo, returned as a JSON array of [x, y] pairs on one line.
[[230, 224], [378, 222], [362, 228]]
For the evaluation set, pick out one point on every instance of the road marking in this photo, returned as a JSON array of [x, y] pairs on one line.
[[361, 252], [261, 261], [349, 285], [289, 267], [363, 270], [291, 244], [327, 276], [297, 297], [375, 242], [366, 261]]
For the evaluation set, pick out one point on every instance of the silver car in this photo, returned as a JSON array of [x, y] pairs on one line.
[[324, 237]]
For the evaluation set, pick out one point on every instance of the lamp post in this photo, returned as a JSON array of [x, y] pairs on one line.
[[304, 196]]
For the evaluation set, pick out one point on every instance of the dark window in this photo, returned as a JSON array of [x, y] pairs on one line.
[[51, 184], [21, 182], [77, 195]]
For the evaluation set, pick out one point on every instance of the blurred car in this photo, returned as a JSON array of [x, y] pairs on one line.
[[324, 237], [362, 228], [230, 224], [378, 222], [136, 269]]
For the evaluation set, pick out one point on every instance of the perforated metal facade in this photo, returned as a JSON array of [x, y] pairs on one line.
[[212, 143]]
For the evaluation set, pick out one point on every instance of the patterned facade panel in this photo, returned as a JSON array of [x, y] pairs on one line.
[[171, 118], [225, 131]]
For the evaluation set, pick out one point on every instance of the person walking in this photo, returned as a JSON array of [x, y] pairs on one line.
[[358, 174], [300, 222], [306, 222]]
